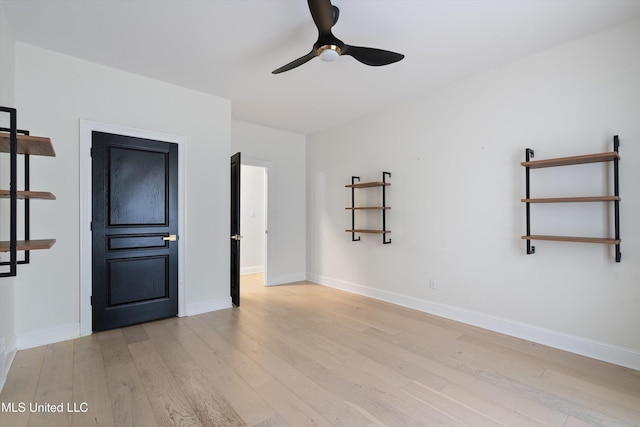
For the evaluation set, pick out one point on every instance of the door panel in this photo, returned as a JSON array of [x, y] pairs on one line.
[[135, 208], [235, 229], [135, 280], [137, 187]]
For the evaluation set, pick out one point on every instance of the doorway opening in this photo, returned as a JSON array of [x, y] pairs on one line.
[[254, 254]]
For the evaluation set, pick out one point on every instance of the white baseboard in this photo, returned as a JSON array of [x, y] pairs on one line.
[[67, 332], [47, 336], [8, 356], [596, 350], [291, 278], [252, 270], [201, 307]]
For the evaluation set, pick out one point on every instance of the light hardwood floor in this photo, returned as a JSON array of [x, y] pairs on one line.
[[307, 355]]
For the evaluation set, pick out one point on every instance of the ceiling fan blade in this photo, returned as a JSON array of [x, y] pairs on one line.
[[372, 56], [296, 63], [336, 14], [323, 15]]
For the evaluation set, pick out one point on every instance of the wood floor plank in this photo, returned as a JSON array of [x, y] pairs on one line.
[[332, 407], [91, 403], [55, 387], [572, 422], [437, 376], [247, 403], [230, 353], [168, 401], [291, 408], [134, 334], [20, 387], [128, 397], [497, 407], [333, 355], [559, 418], [591, 402], [622, 378], [207, 402], [353, 387], [477, 378], [453, 408], [275, 421], [308, 355]]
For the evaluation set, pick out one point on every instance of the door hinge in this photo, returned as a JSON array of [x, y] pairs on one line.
[[91, 297], [91, 226]]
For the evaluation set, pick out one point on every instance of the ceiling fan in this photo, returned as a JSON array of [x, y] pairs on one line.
[[328, 47]]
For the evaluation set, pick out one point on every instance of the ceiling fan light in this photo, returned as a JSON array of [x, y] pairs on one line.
[[329, 53]]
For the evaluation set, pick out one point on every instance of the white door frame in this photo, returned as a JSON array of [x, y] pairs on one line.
[[86, 127], [267, 198]]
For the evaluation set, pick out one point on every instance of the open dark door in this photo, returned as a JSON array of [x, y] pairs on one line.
[[235, 229], [134, 230]]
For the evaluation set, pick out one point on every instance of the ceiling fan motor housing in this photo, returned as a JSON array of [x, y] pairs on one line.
[[328, 52]]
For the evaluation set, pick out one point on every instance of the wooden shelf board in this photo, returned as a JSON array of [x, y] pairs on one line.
[[27, 144], [368, 231], [368, 184], [44, 195], [28, 245], [368, 208], [573, 239], [573, 160], [572, 199]]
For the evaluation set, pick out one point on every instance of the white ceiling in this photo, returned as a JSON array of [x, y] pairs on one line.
[[229, 47]]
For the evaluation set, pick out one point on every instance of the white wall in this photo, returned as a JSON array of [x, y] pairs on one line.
[[53, 92], [285, 152], [456, 214], [7, 332], [7, 64], [252, 219]]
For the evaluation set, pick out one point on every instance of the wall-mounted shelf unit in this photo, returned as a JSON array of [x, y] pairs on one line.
[[15, 141], [612, 156], [356, 184]]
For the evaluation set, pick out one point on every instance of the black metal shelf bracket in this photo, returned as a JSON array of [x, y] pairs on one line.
[[528, 153], [353, 211], [616, 192], [13, 194], [27, 202], [384, 208]]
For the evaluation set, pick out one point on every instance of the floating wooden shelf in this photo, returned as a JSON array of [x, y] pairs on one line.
[[604, 240], [572, 199], [368, 231], [368, 184], [369, 207], [44, 195], [27, 144], [573, 160], [28, 245]]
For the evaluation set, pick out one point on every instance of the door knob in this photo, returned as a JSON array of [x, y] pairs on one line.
[[236, 237], [170, 238]]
